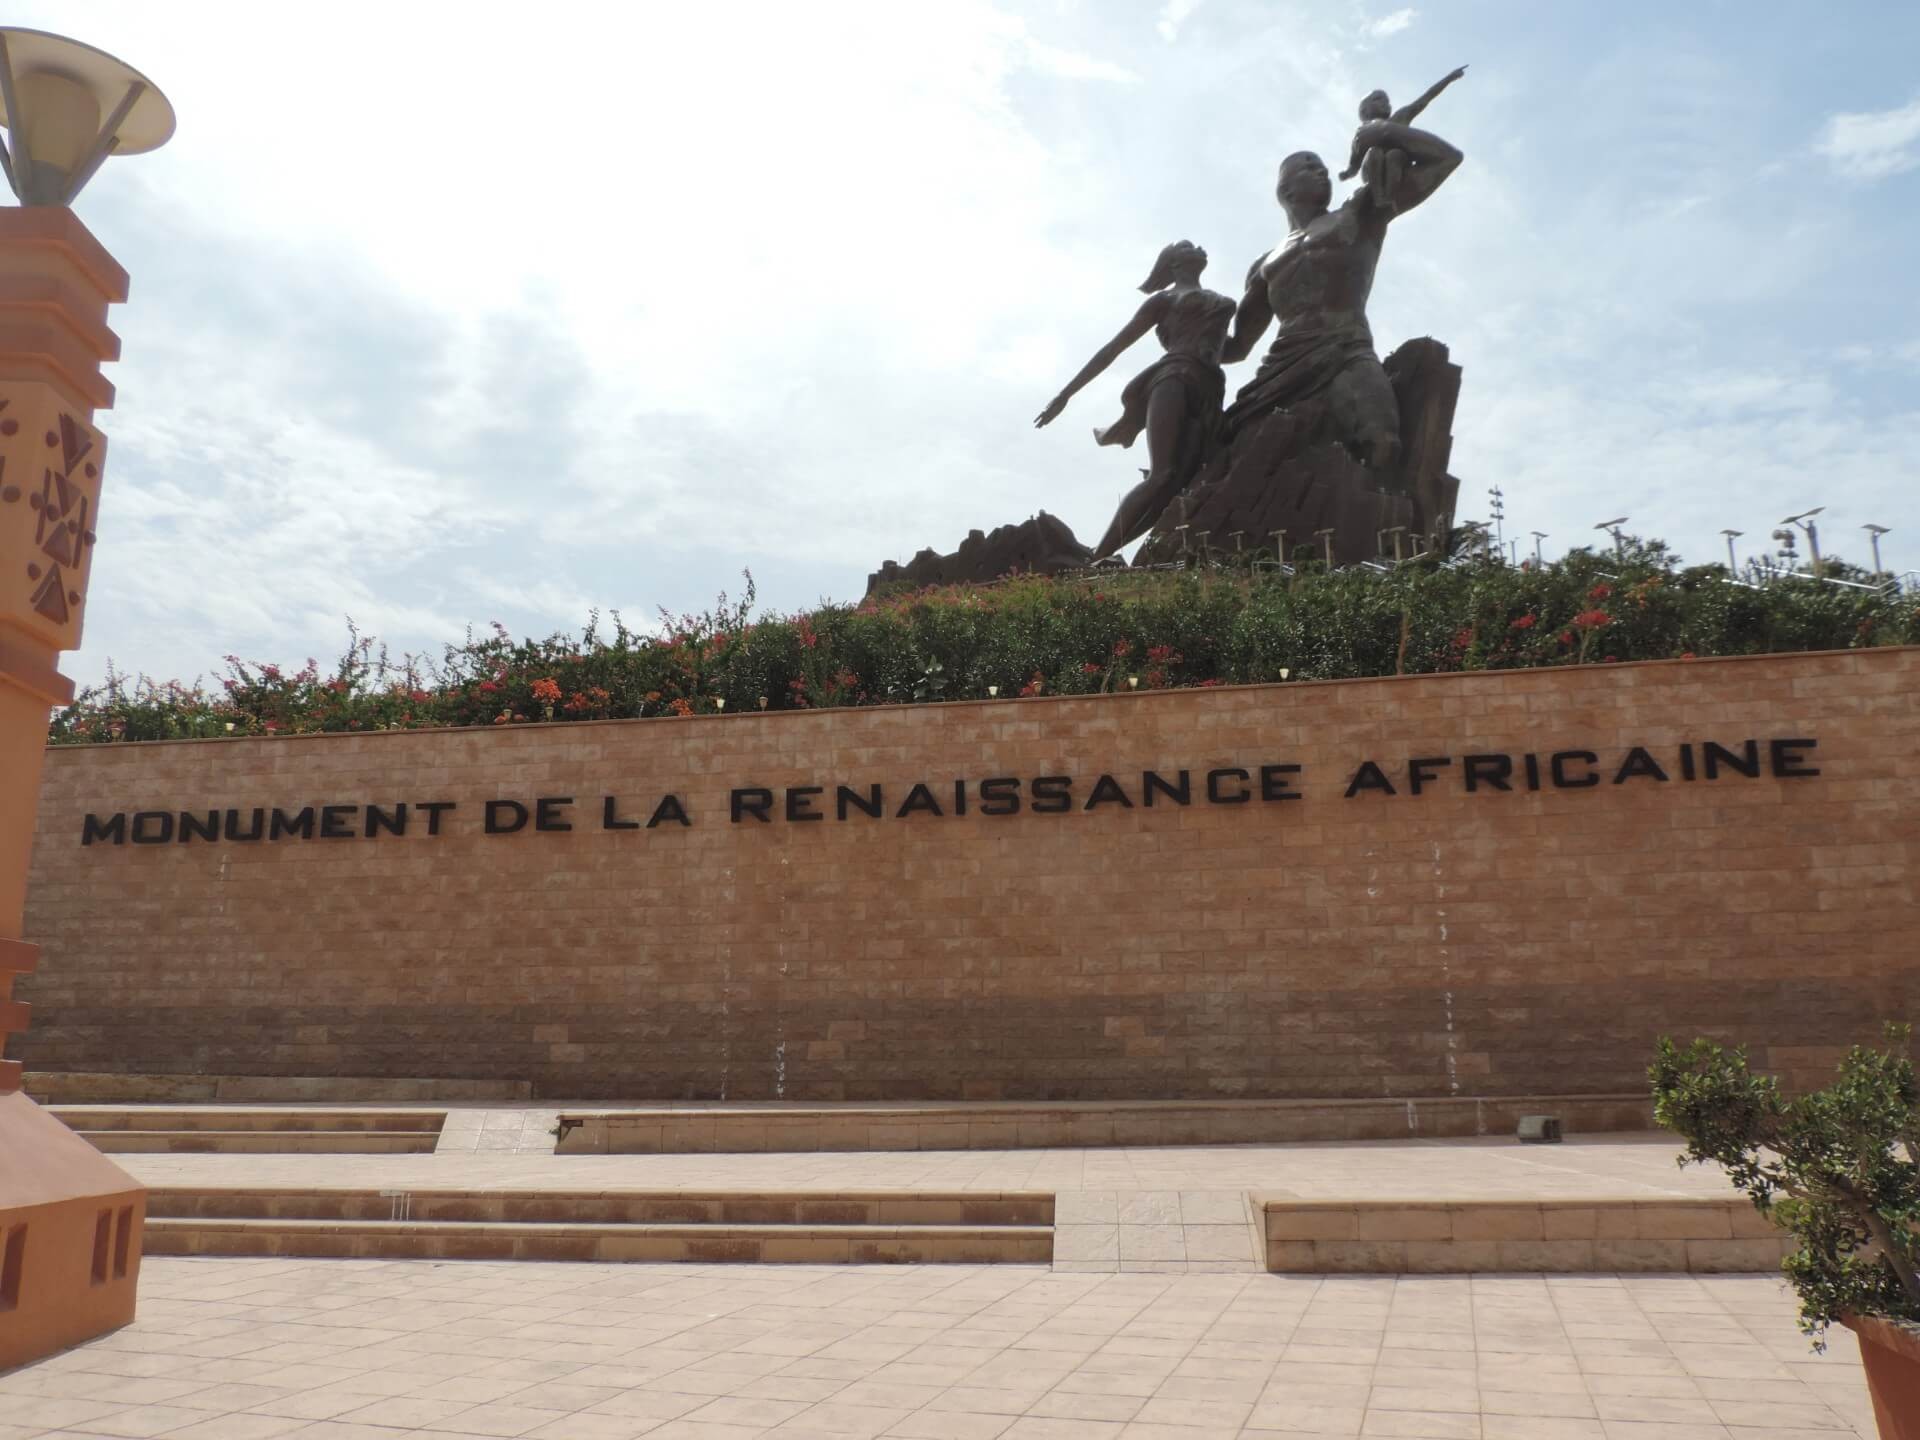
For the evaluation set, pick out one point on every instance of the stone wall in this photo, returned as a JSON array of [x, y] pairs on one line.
[[1456, 941]]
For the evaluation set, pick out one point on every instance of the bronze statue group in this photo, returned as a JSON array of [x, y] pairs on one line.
[[1313, 287]]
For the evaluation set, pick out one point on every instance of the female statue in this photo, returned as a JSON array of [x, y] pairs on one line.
[[1176, 400], [1315, 285]]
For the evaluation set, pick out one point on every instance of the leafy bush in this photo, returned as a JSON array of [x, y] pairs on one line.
[[1839, 1168], [1027, 636]]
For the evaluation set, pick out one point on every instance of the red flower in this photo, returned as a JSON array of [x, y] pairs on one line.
[[1592, 619], [1122, 649], [1525, 622], [1600, 591], [486, 687], [1091, 669], [546, 691]]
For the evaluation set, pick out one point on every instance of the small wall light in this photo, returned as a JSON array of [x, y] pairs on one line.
[[992, 691], [763, 702], [1284, 672], [719, 702], [1133, 682]]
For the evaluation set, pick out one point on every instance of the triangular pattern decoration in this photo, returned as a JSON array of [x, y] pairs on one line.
[[61, 546], [74, 443], [50, 599]]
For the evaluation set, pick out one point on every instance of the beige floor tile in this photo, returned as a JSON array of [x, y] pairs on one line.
[[589, 1426], [405, 1412], [950, 1425], [1420, 1425], [1039, 1427], [1539, 1427], [1315, 1418], [241, 1426]]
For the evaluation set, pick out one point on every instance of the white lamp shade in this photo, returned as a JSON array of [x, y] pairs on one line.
[[67, 107]]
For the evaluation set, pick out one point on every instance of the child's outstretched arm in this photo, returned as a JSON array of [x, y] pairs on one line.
[[1406, 114]]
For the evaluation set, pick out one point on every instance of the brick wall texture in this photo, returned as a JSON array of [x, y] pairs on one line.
[[1454, 941]]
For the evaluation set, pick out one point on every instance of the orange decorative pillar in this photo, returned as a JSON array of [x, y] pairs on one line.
[[70, 1219]]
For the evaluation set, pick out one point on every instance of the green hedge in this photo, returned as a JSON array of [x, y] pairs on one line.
[[1028, 636]]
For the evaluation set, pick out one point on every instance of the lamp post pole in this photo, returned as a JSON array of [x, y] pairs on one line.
[[71, 1218]]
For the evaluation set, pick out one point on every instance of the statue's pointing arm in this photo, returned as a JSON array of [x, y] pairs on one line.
[[1407, 114], [1144, 319], [1430, 160]]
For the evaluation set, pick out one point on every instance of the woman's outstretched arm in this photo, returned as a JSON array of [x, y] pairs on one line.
[[1144, 319]]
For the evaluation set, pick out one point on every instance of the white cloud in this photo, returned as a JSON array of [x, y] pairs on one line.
[[1073, 65], [1873, 145], [1390, 24], [1173, 15]]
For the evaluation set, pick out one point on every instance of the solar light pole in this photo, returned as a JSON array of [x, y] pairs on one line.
[[1612, 527], [1874, 532], [67, 109], [1733, 567], [1805, 521]]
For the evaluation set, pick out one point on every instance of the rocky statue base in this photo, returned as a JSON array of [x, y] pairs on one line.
[[1282, 480], [1043, 545]]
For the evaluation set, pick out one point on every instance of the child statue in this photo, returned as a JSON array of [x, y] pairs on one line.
[[1383, 167]]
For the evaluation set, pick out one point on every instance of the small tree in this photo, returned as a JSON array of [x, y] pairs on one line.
[[1835, 1168]]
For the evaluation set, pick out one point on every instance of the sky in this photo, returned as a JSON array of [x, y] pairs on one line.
[[446, 314]]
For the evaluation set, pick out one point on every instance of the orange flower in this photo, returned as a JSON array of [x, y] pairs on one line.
[[546, 691]]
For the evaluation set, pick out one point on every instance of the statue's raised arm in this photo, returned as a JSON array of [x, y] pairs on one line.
[[1429, 161]]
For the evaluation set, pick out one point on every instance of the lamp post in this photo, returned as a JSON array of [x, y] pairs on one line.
[[1874, 532], [1806, 523], [72, 1219], [1612, 527], [1733, 567]]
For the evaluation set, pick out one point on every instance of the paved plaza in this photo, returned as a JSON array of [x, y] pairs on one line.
[[1154, 1321], [1177, 1209], [416, 1350]]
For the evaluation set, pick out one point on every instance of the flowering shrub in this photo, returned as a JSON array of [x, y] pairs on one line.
[[1070, 636]]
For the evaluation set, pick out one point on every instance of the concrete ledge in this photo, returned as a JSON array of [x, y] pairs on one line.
[[1383, 1237], [97, 1087], [994, 1125], [494, 1240], [290, 1130], [158, 1118], [261, 1142], [971, 1208]]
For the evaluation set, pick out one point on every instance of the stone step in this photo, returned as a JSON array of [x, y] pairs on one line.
[[1009, 1125], [886, 1208], [706, 1244], [58, 1087], [1707, 1235], [92, 1118], [261, 1142]]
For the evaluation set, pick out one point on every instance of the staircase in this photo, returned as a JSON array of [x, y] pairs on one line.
[[274, 1130], [847, 1227]]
